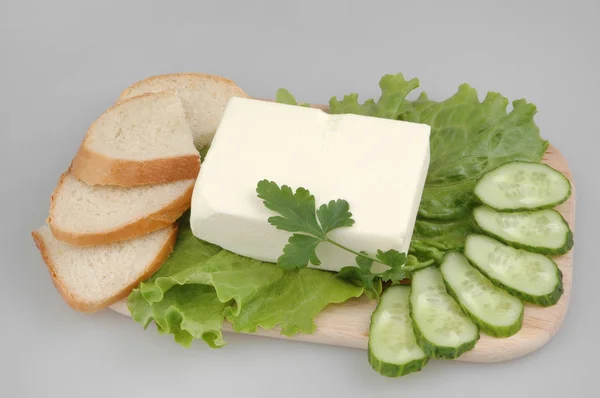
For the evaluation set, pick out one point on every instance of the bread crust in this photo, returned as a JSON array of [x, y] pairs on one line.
[[154, 221], [126, 94], [79, 304], [95, 168]]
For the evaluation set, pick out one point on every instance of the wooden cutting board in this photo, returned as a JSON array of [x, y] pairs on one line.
[[347, 324]]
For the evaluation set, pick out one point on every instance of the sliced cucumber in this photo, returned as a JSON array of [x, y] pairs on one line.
[[441, 328], [541, 231], [532, 277], [518, 186], [495, 311], [393, 349]]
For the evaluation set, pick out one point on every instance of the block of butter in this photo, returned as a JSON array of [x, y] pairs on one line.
[[378, 165]]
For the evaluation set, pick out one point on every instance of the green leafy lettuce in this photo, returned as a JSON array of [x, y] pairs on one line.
[[285, 97], [201, 285], [391, 103], [468, 138]]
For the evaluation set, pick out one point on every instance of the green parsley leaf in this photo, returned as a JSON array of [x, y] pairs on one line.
[[296, 209], [364, 262], [297, 214], [401, 268], [300, 250], [403, 271], [392, 257], [362, 278], [334, 215]]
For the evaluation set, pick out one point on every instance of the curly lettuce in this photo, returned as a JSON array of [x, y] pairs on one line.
[[201, 285]]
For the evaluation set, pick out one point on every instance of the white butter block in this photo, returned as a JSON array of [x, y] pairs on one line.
[[378, 165]]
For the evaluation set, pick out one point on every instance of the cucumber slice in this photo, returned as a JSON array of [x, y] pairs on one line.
[[532, 277], [519, 185], [495, 311], [542, 231], [393, 349], [441, 328]]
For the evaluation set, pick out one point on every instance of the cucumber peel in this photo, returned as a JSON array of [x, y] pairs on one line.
[[518, 186], [532, 277], [441, 352], [541, 231], [441, 328], [494, 310], [393, 350]]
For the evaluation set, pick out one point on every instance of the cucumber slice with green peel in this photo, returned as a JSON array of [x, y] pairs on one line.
[[540, 231], [532, 277], [441, 327], [516, 186], [494, 310], [393, 349]]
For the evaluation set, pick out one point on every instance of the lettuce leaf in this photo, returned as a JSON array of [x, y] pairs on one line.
[[285, 97], [468, 138], [200, 285], [431, 239], [393, 102]]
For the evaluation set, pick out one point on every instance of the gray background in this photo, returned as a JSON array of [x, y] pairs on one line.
[[64, 62]]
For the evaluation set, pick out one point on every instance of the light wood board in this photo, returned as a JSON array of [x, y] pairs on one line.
[[347, 324]]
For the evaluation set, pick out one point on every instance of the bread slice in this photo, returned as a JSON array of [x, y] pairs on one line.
[[143, 140], [204, 99], [92, 278], [84, 215]]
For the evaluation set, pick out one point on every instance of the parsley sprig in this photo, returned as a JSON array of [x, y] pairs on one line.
[[310, 227]]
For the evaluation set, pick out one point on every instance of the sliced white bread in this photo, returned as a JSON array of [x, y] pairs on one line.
[[143, 140], [204, 99], [85, 215], [92, 278]]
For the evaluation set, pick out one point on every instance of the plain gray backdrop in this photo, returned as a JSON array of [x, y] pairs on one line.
[[62, 63]]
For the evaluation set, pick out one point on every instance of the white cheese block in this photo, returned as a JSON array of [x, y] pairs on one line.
[[378, 165]]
